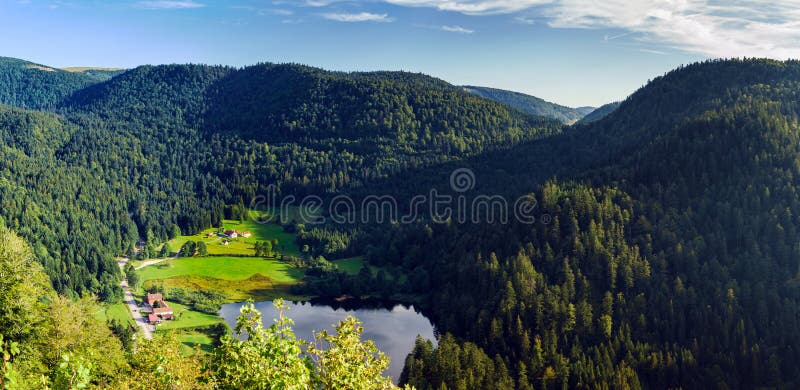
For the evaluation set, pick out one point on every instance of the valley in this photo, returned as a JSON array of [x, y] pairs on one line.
[[664, 252], [230, 272]]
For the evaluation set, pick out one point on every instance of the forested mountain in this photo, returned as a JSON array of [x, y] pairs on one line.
[[599, 113], [531, 104], [28, 85], [670, 257], [162, 146]]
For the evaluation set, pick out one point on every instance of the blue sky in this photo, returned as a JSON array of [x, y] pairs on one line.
[[572, 52]]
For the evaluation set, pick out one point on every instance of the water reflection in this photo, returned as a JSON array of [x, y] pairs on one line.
[[393, 327]]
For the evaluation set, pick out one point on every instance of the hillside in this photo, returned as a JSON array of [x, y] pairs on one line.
[[670, 249], [531, 104], [599, 113], [160, 148], [34, 86], [406, 112]]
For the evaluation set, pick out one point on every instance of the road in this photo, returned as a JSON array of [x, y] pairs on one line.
[[152, 261], [147, 329]]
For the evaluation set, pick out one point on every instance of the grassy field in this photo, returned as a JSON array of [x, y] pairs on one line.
[[117, 312], [190, 339], [187, 318], [239, 278], [240, 245], [223, 267], [230, 269]]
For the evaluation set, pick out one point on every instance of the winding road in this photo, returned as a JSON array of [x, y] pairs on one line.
[[147, 329]]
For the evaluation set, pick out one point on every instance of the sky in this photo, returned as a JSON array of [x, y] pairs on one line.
[[572, 52]]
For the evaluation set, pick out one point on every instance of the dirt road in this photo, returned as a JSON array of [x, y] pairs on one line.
[[147, 329]]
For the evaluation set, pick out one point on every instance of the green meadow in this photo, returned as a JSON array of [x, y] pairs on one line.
[[240, 245], [191, 339], [239, 278], [230, 268], [187, 318], [117, 311]]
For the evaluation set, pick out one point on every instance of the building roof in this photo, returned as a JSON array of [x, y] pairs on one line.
[[152, 318], [153, 298], [162, 310]]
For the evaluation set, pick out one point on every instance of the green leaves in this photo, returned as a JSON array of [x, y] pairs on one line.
[[273, 358], [72, 373], [265, 358], [344, 361]]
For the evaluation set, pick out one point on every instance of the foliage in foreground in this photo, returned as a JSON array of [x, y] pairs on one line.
[[273, 358], [49, 341]]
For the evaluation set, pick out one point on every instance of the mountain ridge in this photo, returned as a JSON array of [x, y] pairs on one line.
[[530, 104]]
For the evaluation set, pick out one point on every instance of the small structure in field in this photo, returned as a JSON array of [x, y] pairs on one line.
[[246, 234], [155, 306], [232, 233]]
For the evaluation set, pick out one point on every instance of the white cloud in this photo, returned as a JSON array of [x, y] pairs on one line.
[[359, 17], [168, 4], [746, 28], [473, 7], [651, 51], [525, 20], [714, 28], [457, 29]]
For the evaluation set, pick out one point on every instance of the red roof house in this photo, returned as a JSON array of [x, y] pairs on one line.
[[151, 299], [155, 306]]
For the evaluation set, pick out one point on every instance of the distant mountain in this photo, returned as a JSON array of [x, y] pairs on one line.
[[34, 86], [289, 102], [599, 113], [281, 103], [531, 104], [100, 74]]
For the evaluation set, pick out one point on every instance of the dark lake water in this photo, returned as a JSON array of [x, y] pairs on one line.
[[393, 327]]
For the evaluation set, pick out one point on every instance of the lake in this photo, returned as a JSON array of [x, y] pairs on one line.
[[393, 327]]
